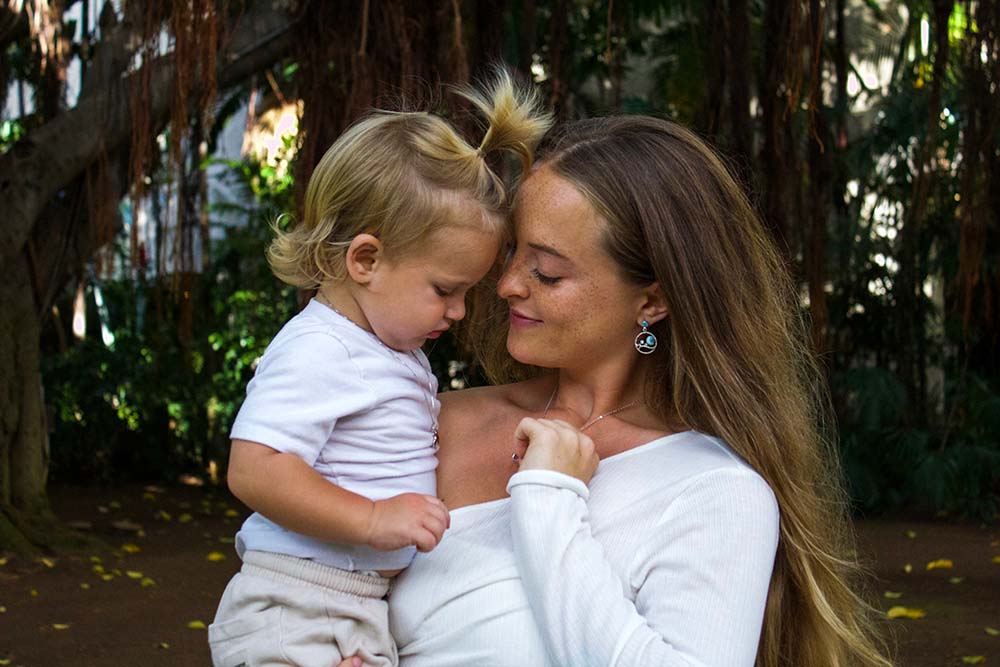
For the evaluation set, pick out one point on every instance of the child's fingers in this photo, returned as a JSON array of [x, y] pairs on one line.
[[425, 540], [439, 510]]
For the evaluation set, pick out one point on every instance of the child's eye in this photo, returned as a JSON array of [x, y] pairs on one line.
[[442, 291], [544, 279]]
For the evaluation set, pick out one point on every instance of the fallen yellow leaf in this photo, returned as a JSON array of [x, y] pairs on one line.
[[892, 595], [905, 612], [98, 569], [148, 496], [95, 559], [215, 556], [912, 534], [131, 548], [107, 577], [34, 593], [3, 561], [114, 504], [147, 582], [941, 563], [184, 518], [226, 540], [973, 659], [232, 513], [60, 626], [47, 562], [956, 580], [993, 632], [907, 568], [196, 625], [4, 661], [85, 586], [3, 610], [163, 645], [996, 559], [132, 574], [163, 514]]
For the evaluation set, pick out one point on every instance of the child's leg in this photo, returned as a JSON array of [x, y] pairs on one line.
[[281, 610], [246, 630], [354, 626]]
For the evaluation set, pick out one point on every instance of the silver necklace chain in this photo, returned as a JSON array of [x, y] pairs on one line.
[[515, 457], [596, 419]]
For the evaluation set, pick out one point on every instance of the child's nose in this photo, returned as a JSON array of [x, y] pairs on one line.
[[456, 310]]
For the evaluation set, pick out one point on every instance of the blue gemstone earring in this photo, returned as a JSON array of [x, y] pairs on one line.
[[645, 341]]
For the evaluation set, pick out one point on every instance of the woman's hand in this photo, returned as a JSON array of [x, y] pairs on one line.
[[553, 444], [353, 661]]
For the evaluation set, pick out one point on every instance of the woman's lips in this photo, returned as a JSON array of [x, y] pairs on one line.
[[522, 320]]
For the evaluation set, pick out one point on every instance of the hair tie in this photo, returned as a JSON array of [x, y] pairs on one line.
[[479, 153]]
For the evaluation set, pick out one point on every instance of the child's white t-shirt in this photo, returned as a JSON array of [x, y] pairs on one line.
[[363, 415]]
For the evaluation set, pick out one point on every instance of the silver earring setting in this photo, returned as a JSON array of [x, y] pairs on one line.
[[645, 341]]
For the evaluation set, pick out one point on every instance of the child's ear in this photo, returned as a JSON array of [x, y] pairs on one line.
[[363, 257]]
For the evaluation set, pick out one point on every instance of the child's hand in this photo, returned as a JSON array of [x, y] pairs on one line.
[[408, 519]]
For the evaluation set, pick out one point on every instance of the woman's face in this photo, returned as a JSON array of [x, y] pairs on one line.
[[570, 307]]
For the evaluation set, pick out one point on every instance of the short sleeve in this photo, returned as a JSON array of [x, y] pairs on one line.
[[303, 385]]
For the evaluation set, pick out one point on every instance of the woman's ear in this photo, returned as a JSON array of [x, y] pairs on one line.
[[363, 257], [653, 306]]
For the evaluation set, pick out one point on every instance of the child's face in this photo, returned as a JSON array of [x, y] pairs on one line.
[[420, 296]]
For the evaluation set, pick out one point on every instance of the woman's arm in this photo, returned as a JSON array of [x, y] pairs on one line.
[[700, 572]]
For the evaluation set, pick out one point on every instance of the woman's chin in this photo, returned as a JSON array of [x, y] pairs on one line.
[[530, 355]]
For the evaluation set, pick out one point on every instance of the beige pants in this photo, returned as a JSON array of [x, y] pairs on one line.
[[282, 610]]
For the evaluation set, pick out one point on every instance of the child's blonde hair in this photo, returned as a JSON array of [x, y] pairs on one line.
[[401, 176]]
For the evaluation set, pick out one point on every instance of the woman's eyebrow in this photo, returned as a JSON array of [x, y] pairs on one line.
[[549, 250]]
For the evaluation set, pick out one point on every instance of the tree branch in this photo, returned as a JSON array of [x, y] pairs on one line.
[[38, 167]]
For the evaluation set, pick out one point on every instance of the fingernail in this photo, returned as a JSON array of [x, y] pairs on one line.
[[356, 662]]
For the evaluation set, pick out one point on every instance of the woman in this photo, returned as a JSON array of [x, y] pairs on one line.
[[656, 326]]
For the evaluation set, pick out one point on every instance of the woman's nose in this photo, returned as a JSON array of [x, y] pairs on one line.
[[511, 282]]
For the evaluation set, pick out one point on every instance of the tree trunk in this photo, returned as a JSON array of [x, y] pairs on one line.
[[912, 269], [51, 160], [741, 139], [819, 177], [776, 99], [24, 445]]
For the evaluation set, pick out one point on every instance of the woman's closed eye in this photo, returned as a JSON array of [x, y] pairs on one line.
[[544, 279]]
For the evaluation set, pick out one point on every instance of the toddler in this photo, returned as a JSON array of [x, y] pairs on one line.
[[334, 446]]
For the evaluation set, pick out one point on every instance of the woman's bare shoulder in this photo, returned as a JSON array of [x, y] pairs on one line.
[[469, 410]]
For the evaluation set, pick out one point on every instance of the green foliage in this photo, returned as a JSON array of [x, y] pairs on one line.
[[893, 465], [156, 405]]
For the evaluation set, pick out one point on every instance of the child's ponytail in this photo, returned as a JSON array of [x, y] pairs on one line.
[[516, 122]]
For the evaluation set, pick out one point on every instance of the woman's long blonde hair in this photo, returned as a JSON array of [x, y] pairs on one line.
[[732, 362], [400, 176]]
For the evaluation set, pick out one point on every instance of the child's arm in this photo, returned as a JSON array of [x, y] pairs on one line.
[[287, 490]]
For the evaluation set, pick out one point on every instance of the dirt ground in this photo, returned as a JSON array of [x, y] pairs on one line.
[[147, 606]]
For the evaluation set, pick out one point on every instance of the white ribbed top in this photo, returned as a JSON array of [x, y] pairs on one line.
[[665, 560]]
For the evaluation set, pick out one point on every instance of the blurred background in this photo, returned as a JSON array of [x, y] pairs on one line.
[[146, 146]]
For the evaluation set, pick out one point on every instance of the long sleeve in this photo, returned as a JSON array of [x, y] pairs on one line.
[[693, 593]]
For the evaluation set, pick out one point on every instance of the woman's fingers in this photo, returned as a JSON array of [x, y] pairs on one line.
[[353, 661], [556, 445]]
